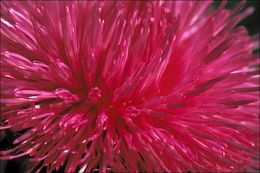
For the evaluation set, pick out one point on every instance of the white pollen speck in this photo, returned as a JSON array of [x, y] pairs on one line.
[[7, 23]]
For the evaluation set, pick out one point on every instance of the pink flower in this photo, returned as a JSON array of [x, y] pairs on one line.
[[129, 86]]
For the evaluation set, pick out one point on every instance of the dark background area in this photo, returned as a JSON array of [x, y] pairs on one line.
[[18, 165], [252, 21]]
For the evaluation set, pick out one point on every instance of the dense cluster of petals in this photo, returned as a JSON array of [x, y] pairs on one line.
[[160, 86]]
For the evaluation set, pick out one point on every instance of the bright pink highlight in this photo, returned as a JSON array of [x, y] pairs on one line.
[[130, 86]]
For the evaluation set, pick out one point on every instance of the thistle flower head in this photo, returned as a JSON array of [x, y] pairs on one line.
[[129, 86]]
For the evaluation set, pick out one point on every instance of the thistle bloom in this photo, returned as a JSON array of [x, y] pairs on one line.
[[129, 86]]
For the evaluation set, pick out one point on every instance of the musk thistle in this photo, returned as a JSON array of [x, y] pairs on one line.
[[161, 86]]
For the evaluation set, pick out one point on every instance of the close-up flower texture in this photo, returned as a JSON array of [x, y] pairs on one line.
[[129, 86]]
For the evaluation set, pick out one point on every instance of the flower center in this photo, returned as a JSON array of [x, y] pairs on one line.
[[102, 101], [94, 95], [131, 111]]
